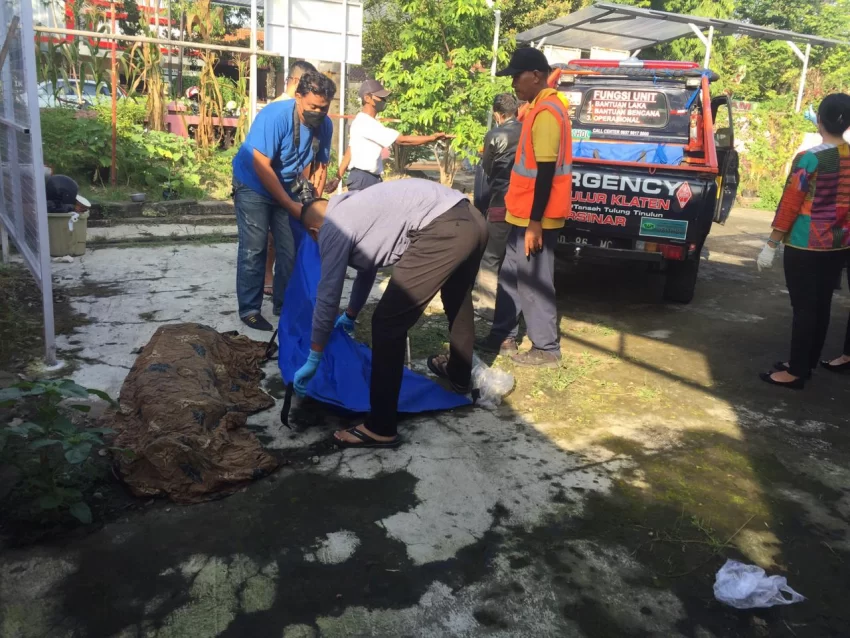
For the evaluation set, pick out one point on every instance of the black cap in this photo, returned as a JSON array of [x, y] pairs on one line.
[[526, 59], [372, 87]]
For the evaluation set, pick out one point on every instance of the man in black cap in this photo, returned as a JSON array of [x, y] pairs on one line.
[[368, 138], [537, 204]]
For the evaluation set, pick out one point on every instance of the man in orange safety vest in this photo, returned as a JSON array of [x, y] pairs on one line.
[[537, 202]]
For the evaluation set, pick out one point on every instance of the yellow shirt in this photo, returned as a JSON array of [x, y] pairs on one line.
[[546, 141]]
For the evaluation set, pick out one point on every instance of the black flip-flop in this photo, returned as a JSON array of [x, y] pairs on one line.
[[440, 371], [367, 441]]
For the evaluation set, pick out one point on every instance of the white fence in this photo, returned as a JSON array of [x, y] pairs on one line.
[[23, 207]]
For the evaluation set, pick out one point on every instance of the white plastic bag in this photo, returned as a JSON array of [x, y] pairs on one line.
[[492, 384], [747, 586]]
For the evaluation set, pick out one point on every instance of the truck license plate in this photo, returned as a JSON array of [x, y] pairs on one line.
[[599, 242]]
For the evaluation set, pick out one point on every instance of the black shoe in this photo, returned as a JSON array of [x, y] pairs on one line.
[[504, 347], [276, 311], [796, 384], [841, 368], [257, 322], [782, 366]]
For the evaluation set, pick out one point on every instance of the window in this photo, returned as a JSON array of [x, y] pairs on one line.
[[723, 126]]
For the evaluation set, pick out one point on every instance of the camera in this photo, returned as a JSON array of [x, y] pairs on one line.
[[303, 190]]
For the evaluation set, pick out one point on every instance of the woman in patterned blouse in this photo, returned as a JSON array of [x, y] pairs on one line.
[[813, 221]]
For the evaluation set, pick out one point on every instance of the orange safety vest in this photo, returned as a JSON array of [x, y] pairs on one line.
[[520, 196]]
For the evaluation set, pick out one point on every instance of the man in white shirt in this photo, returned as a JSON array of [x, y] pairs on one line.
[[368, 138]]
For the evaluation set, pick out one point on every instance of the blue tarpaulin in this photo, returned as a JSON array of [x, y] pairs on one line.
[[343, 376], [651, 153]]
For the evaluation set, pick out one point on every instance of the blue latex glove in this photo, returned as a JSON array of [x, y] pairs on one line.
[[346, 322], [811, 115], [306, 373]]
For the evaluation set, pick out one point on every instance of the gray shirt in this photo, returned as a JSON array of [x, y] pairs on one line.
[[368, 230]]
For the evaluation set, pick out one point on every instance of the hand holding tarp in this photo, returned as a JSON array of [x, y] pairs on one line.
[[306, 372]]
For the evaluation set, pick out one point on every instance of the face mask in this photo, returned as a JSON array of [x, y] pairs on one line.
[[313, 119], [380, 106]]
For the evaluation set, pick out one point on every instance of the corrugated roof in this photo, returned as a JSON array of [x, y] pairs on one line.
[[617, 26]]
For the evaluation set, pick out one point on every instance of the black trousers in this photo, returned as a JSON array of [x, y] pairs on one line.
[[442, 257], [361, 180], [494, 254], [810, 276]]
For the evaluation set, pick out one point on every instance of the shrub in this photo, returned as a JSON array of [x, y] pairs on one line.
[[75, 143], [79, 144], [130, 111], [56, 458]]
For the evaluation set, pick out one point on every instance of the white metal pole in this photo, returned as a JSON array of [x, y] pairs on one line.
[[138, 38], [496, 42], [498, 24], [708, 47], [37, 158], [342, 73], [253, 64], [803, 78], [286, 51]]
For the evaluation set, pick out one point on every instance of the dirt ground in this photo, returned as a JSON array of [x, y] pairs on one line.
[[600, 500]]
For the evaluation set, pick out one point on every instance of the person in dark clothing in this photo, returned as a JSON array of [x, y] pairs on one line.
[[434, 239], [500, 146]]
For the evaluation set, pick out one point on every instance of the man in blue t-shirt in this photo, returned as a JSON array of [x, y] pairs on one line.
[[274, 156]]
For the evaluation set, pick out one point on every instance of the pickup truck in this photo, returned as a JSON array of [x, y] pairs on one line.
[[654, 164]]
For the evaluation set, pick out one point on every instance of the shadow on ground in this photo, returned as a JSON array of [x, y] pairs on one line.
[[600, 500]]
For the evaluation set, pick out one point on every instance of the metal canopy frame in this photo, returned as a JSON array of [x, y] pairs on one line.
[[616, 26]]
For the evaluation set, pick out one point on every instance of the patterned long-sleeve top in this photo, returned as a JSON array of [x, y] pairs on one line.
[[814, 212]]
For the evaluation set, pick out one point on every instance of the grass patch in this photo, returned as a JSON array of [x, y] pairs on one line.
[[591, 329], [571, 371], [429, 336], [648, 394]]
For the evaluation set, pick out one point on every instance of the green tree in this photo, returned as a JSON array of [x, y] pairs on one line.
[[383, 21], [439, 75]]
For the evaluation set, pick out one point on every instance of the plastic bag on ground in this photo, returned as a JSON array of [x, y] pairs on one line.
[[493, 385], [747, 587]]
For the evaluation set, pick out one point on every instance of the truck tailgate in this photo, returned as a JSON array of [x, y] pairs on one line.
[[639, 204]]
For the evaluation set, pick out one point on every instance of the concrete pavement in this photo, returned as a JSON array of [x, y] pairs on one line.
[[598, 501]]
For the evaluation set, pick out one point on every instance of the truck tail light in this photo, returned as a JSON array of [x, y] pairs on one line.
[[674, 253]]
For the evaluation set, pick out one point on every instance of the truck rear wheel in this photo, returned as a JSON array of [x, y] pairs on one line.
[[681, 280]]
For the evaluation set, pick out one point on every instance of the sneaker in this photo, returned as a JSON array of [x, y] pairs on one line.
[[495, 345], [537, 358], [257, 322], [276, 311]]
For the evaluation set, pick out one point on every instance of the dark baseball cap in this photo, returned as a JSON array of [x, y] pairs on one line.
[[526, 59], [372, 87]]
